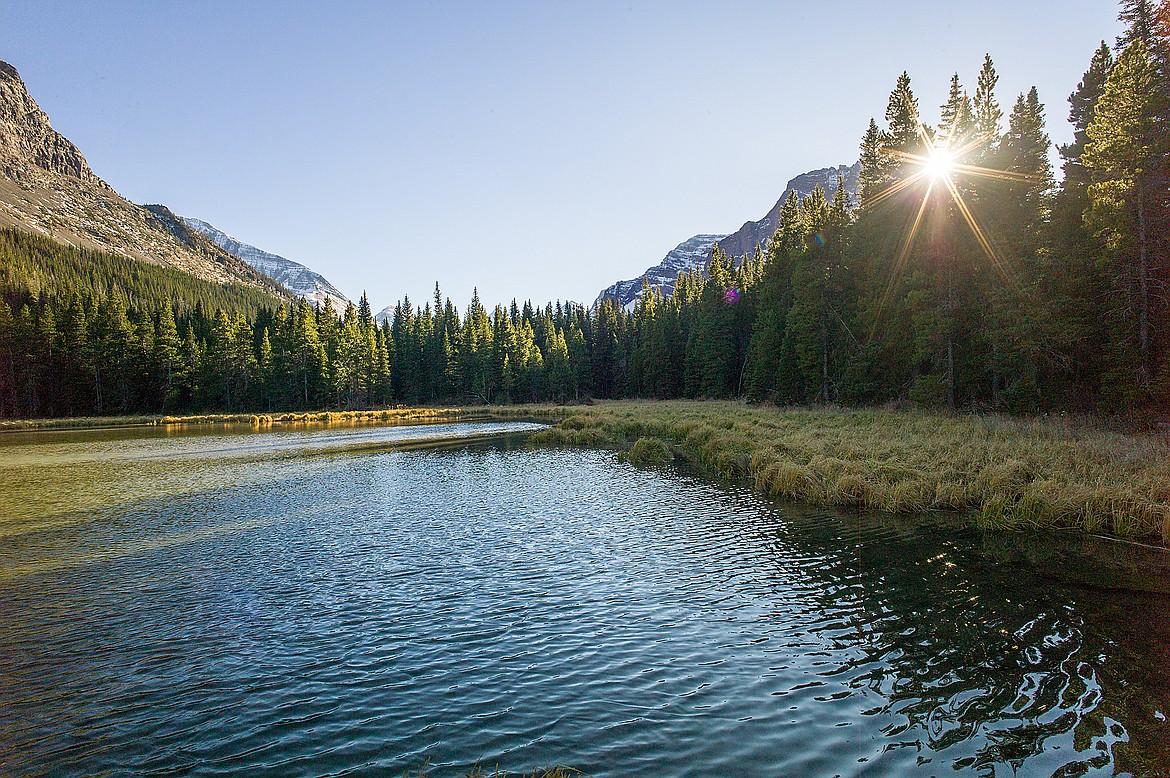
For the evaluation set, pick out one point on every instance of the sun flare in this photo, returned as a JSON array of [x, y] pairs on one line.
[[940, 163]]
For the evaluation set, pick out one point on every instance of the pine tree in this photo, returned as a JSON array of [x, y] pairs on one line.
[[1126, 155], [875, 174], [1082, 104], [905, 128], [986, 113], [307, 354], [955, 119]]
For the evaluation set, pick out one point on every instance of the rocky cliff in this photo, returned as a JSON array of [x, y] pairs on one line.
[[692, 253]]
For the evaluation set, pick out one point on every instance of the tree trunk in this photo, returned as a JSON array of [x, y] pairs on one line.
[[1144, 292]]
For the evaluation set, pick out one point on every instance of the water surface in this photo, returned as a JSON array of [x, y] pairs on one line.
[[333, 602]]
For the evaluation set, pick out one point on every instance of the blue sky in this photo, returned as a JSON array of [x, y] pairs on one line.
[[538, 150]]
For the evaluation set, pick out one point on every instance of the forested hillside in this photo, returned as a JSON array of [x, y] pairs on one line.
[[966, 279]]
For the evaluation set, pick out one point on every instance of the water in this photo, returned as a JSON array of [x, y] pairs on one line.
[[337, 602]]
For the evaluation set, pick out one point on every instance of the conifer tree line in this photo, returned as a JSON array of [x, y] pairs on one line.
[[987, 286]]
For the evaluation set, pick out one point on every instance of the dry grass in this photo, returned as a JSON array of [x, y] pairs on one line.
[[253, 419], [1002, 472]]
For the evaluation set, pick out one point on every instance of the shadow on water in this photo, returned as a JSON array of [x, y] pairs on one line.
[[359, 611], [1009, 650]]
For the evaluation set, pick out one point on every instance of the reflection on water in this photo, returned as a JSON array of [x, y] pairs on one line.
[[331, 605]]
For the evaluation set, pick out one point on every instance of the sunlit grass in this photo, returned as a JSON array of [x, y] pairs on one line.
[[998, 471], [253, 419]]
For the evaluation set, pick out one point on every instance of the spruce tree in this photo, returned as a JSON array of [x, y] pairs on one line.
[[1127, 155]]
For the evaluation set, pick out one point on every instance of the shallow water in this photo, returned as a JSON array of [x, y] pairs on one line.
[[335, 602]]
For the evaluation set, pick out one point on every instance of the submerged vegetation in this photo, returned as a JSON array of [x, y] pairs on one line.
[[997, 471], [559, 771]]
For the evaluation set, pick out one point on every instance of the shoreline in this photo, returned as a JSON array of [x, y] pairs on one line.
[[252, 419], [991, 471]]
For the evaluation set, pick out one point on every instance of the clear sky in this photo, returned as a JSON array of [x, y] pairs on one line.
[[538, 150]]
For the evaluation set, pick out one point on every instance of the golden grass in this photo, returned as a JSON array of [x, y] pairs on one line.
[[650, 451], [1000, 471], [253, 419]]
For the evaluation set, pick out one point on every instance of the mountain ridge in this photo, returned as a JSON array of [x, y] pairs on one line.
[[695, 252], [47, 188], [298, 279]]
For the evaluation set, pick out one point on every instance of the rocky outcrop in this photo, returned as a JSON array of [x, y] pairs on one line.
[[31, 151], [743, 241]]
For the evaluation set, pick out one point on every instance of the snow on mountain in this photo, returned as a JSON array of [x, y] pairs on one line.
[[692, 253], [385, 315], [743, 241], [695, 252], [295, 277]]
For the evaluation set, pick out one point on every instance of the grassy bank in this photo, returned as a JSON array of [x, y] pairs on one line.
[[1001, 472], [256, 420]]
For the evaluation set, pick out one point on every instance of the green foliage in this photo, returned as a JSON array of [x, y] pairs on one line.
[[650, 451], [988, 287]]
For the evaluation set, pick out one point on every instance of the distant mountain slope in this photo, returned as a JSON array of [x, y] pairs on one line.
[[48, 189], [743, 241], [692, 253], [293, 276], [695, 252]]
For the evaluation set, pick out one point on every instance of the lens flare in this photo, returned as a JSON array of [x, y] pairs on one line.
[[939, 163], [942, 164], [731, 296]]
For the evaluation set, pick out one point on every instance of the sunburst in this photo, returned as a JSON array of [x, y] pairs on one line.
[[941, 163]]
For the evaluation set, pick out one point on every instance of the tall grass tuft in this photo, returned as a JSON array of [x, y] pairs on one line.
[[650, 451], [998, 471]]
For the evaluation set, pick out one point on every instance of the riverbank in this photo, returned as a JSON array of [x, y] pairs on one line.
[[254, 419], [998, 472]]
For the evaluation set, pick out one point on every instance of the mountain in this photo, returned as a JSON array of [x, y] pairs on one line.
[[293, 276], [692, 253], [743, 241], [695, 252], [47, 188]]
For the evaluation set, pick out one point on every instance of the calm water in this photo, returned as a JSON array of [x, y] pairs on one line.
[[334, 602]]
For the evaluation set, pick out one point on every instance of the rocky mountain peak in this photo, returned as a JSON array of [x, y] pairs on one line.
[[29, 146], [293, 276], [695, 252]]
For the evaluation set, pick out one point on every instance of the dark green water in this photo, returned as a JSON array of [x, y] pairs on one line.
[[330, 602]]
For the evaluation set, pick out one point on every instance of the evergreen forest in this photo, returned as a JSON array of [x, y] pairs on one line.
[[963, 276]]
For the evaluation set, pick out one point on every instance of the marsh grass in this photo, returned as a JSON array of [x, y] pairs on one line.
[[650, 451], [999, 472]]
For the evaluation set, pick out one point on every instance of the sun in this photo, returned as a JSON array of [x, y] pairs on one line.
[[940, 163]]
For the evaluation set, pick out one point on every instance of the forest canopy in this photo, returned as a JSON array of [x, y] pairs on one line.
[[963, 276]]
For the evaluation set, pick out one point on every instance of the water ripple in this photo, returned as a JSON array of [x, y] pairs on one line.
[[363, 608]]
